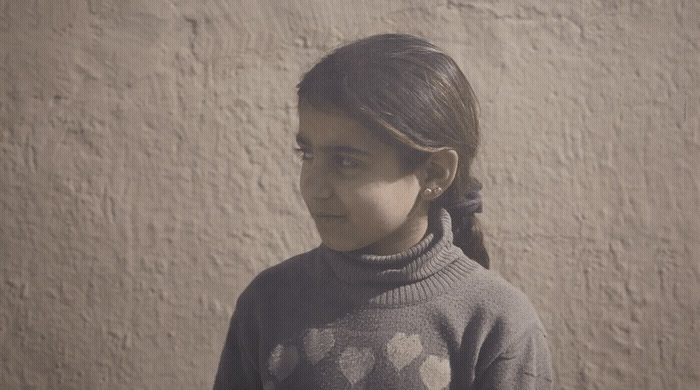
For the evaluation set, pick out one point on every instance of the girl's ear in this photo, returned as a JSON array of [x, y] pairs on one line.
[[439, 172]]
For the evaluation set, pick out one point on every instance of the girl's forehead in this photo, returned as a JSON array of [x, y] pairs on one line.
[[332, 126]]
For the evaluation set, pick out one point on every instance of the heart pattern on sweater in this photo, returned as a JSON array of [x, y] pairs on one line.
[[317, 343], [402, 349], [283, 360], [356, 363], [435, 372]]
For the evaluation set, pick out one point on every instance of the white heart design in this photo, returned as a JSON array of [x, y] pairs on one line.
[[356, 363], [402, 349], [282, 361], [435, 372], [317, 343]]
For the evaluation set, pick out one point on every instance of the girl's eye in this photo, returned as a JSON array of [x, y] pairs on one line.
[[346, 162], [304, 154]]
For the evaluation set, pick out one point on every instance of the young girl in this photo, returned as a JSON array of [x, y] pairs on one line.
[[398, 295]]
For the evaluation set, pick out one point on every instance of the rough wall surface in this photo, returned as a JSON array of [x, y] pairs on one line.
[[147, 174]]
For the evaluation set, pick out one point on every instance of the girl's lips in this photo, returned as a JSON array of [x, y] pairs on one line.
[[325, 214], [328, 218]]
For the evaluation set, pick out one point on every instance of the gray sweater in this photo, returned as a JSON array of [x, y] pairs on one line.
[[428, 318]]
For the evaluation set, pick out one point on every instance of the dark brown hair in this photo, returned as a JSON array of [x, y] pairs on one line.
[[414, 97]]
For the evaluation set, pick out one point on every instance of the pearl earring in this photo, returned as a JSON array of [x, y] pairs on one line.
[[438, 191], [427, 192]]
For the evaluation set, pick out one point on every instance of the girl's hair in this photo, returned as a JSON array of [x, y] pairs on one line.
[[415, 98]]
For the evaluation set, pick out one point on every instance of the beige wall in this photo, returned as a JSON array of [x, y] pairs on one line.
[[147, 174]]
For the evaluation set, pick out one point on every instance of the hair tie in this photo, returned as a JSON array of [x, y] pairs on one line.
[[470, 203]]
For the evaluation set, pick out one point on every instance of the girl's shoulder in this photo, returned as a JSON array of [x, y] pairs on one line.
[[500, 304], [281, 278], [487, 296], [495, 289]]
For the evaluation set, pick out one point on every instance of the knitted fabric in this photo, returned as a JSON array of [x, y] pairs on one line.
[[427, 318]]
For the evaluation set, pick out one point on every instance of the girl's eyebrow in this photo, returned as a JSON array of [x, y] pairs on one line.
[[302, 141]]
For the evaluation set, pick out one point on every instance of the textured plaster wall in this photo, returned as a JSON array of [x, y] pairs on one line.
[[146, 175]]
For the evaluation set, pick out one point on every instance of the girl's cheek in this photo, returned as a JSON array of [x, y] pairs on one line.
[[304, 182]]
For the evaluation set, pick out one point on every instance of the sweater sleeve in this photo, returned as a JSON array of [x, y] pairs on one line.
[[235, 370], [525, 364]]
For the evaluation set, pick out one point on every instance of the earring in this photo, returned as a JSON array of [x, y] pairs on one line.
[[427, 192], [438, 191]]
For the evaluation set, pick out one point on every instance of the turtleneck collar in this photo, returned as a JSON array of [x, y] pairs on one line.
[[427, 258]]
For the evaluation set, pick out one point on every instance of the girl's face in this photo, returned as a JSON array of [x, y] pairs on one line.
[[355, 188]]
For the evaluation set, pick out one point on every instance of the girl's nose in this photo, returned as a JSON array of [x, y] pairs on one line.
[[315, 183]]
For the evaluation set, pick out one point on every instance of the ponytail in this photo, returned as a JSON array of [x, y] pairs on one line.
[[468, 236], [466, 228]]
